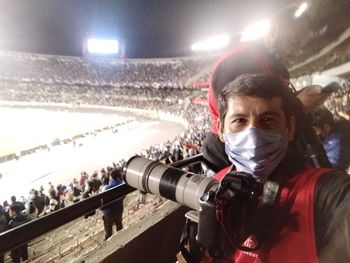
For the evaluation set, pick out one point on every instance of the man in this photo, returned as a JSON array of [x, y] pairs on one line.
[[38, 201], [14, 202], [113, 212], [96, 182], [16, 219], [3, 228], [270, 57], [309, 219], [335, 137], [76, 191]]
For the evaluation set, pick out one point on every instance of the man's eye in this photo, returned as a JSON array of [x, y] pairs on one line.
[[268, 120], [239, 121]]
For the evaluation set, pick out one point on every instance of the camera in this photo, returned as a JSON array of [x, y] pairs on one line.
[[174, 184], [225, 210]]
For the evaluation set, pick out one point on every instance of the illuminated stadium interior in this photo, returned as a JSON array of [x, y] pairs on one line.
[[89, 97]]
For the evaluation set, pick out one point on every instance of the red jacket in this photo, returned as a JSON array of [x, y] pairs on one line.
[[292, 237]]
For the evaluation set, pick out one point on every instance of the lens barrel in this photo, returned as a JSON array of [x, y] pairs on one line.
[[174, 184]]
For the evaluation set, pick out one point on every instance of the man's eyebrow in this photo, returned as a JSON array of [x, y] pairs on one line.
[[235, 115], [274, 113]]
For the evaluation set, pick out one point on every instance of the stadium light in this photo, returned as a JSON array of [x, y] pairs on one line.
[[103, 46], [212, 43], [300, 10], [256, 30]]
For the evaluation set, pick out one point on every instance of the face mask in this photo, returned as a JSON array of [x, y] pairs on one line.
[[256, 151]]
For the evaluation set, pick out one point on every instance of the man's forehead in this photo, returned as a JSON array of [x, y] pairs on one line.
[[241, 104]]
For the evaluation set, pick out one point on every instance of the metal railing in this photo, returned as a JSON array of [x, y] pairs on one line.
[[35, 228]]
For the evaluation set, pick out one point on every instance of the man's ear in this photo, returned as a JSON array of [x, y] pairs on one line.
[[220, 130], [327, 129], [291, 128]]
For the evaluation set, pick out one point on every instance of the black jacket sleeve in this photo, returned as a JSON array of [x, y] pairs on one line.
[[332, 217]]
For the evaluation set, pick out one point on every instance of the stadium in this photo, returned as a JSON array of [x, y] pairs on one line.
[[70, 120]]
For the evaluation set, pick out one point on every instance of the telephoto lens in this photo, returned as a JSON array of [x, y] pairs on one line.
[[174, 184]]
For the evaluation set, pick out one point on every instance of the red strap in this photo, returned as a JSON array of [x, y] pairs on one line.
[[222, 173]]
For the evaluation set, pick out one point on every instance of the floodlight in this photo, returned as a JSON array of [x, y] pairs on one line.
[[256, 30], [212, 43], [300, 10], [103, 46]]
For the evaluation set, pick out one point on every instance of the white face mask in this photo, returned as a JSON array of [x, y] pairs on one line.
[[256, 151]]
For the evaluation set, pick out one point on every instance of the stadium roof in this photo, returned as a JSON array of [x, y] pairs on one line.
[[159, 29], [151, 28]]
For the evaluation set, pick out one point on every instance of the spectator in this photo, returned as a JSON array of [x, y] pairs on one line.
[[44, 197], [76, 191], [54, 201], [335, 137], [63, 196], [82, 180], [16, 219], [31, 210], [89, 192], [38, 201], [105, 183], [113, 212], [95, 182], [61, 191], [14, 202], [3, 227]]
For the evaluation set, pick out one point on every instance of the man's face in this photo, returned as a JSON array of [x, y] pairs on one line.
[[245, 112]]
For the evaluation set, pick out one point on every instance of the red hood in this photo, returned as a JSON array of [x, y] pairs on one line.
[[257, 57]]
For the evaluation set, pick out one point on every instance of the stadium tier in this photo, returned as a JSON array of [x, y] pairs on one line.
[[46, 69]]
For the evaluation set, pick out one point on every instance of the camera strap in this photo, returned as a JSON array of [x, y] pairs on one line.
[[251, 203], [189, 248]]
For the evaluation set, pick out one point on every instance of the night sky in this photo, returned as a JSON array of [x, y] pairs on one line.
[[149, 28]]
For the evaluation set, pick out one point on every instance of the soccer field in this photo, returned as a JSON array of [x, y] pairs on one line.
[[64, 162], [25, 128]]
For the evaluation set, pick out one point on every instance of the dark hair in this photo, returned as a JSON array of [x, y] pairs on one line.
[[258, 86], [31, 208], [90, 184], [15, 208], [322, 116], [116, 173]]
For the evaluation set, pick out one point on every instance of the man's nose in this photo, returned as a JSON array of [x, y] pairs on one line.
[[253, 123]]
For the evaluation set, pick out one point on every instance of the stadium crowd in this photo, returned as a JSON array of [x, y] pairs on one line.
[[176, 102], [137, 84], [30, 68], [184, 145], [339, 103], [93, 95]]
